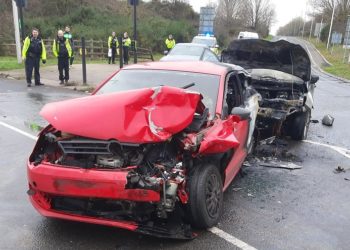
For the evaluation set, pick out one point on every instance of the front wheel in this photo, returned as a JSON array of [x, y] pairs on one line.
[[205, 196], [300, 125]]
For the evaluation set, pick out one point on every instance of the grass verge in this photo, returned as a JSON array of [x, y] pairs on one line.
[[335, 55]]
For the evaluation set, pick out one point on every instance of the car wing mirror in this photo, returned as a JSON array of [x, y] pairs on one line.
[[242, 113], [165, 52], [314, 79]]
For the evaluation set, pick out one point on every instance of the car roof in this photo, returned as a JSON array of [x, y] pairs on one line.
[[192, 45], [188, 66]]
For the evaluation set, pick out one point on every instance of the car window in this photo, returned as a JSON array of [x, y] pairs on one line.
[[209, 56], [210, 42], [186, 50], [130, 79]]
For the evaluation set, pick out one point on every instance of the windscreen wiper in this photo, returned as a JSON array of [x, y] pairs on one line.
[[188, 85]]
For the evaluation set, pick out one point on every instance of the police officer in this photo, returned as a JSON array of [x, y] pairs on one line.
[[68, 35], [62, 49], [33, 50], [126, 45], [112, 45], [170, 42]]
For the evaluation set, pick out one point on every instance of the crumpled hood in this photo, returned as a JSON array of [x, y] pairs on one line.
[[260, 54], [137, 116]]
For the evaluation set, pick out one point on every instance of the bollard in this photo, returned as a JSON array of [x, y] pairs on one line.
[[83, 59]]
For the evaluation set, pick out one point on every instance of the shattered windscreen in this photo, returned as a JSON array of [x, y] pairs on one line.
[[207, 85]]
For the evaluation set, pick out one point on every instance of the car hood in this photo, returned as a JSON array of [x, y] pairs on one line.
[[261, 54], [137, 116]]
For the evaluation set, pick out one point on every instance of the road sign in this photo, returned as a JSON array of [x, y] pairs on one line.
[[336, 38], [206, 20], [347, 34], [132, 2]]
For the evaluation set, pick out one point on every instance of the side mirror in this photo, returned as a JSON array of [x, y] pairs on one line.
[[165, 52], [242, 113], [314, 79]]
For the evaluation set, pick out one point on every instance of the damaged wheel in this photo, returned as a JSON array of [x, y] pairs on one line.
[[205, 196], [300, 125]]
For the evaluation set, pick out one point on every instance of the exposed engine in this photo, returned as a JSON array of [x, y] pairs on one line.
[[157, 167]]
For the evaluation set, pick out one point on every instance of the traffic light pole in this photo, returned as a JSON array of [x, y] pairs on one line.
[[135, 35], [20, 12]]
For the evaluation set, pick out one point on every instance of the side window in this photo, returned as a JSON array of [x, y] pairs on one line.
[[209, 56], [233, 93]]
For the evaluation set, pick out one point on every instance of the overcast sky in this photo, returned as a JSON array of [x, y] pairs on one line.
[[285, 10]]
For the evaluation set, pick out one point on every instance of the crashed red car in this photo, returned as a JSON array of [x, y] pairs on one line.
[[151, 151]]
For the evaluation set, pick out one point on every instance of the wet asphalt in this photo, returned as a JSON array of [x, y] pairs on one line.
[[267, 208]]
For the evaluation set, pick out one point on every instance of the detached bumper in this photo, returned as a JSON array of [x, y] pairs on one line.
[[48, 181], [67, 181]]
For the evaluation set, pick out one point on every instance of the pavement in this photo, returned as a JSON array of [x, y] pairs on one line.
[[96, 73], [265, 208]]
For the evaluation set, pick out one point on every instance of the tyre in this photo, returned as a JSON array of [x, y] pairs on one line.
[[300, 125], [205, 196]]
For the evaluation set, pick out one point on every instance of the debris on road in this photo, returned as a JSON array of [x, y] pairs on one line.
[[236, 189], [284, 165], [339, 169], [314, 121], [347, 179], [328, 120]]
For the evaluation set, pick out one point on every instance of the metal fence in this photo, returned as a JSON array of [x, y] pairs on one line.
[[95, 49]]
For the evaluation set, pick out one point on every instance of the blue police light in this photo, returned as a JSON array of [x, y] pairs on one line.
[[207, 35]]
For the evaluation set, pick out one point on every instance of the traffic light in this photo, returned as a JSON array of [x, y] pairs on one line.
[[132, 2], [21, 3]]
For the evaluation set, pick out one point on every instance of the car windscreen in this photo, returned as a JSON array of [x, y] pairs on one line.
[[206, 41], [206, 84], [186, 50]]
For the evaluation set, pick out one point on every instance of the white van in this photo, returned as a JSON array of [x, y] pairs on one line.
[[248, 35]]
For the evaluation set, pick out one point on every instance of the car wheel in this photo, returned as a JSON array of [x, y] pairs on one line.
[[205, 196], [300, 125]]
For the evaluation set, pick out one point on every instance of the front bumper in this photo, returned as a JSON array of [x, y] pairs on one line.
[[48, 180]]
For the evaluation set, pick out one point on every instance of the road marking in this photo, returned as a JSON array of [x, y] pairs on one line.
[[18, 131], [229, 238], [343, 151]]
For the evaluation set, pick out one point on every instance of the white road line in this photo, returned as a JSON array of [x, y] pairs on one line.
[[18, 131], [343, 151], [229, 238]]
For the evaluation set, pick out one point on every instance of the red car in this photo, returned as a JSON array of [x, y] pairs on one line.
[[151, 151]]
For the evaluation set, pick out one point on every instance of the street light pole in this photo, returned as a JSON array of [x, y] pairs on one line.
[[330, 28]]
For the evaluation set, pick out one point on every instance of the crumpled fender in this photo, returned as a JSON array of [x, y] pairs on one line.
[[220, 137], [136, 116]]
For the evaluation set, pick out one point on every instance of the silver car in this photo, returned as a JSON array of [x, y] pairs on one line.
[[190, 52]]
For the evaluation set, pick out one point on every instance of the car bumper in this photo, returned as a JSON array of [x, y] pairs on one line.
[[47, 181]]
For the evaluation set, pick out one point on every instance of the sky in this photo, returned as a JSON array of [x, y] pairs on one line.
[[286, 10]]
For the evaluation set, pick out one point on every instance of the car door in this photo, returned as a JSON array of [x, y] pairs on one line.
[[234, 97]]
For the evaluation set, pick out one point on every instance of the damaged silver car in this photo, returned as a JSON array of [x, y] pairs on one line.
[[281, 73]]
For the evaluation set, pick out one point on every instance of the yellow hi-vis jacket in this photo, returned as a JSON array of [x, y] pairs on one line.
[[26, 45], [126, 42], [110, 39], [56, 48], [170, 43]]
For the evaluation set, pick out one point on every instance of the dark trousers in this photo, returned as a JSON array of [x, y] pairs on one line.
[[32, 62], [126, 54], [114, 50], [63, 65]]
